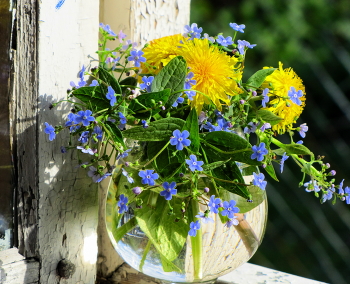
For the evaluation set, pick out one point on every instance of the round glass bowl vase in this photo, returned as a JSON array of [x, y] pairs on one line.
[[218, 250]]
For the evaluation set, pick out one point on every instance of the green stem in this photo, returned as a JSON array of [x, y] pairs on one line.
[[145, 252], [196, 244]]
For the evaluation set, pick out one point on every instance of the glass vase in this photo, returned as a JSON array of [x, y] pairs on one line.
[[215, 251]]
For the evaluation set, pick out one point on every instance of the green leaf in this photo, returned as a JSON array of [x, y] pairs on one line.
[[268, 116], [117, 135], [109, 80], [226, 142], [172, 77], [128, 81], [297, 149], [148, 101], [167, 236], [167, 162], [160, 130], [231, 172], [258, 78], [191, 126], [211, 166], [118, 233], [168, 266], [271, 171], [257, 196], [93, 97]]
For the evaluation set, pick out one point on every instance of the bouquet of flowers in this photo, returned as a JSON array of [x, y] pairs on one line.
[[201, 129]]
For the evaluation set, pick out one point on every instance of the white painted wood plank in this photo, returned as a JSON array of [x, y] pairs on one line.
[[15, 269], [254, 274], [68, 199], [9, 256], [21, 272]]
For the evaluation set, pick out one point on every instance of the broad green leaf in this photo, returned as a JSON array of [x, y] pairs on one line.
[[172, 77], [117, 135], [268, 116], [167, 161], [118, 233], [148, 101], [271, 171], [167, 236], [168, 266], [228, 142], [258, 78], [160, 130], [93, 97], [128, 81], [257, 196], [191, 126], [211, 166], [231, 172], [109, 80], [297, 149]]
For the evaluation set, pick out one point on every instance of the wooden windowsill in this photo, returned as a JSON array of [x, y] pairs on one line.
[[14, 268], [253, 274]]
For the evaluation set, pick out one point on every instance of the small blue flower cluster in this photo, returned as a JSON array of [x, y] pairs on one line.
[[215, 206]]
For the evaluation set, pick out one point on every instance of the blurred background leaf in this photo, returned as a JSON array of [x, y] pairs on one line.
[[312, 36]]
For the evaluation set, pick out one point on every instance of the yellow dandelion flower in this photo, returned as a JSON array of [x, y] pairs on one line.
[[213, 69], [160, 51], [279, 83]]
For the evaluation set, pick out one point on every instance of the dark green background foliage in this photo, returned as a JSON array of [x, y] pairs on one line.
[[312, 36]]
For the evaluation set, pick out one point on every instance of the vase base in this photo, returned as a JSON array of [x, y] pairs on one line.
[[206, 282]]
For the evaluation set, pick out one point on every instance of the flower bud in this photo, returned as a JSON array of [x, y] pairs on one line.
[[254, 93], [242, 102], [137, 190], [332, 172], [206, 189]]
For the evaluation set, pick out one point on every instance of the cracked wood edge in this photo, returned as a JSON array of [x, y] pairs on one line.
[[24, 111], [68, 206]]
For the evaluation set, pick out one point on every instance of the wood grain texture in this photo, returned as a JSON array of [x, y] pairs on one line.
[[68, 197], [24, 109]]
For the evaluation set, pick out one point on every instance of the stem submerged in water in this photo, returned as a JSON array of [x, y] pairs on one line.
[[196, 244]]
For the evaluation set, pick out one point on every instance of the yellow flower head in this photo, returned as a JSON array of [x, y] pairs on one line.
[[160, 51], [213, 69], [279, 83]]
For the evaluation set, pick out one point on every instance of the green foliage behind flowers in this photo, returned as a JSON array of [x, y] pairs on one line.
[[193, 146]]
